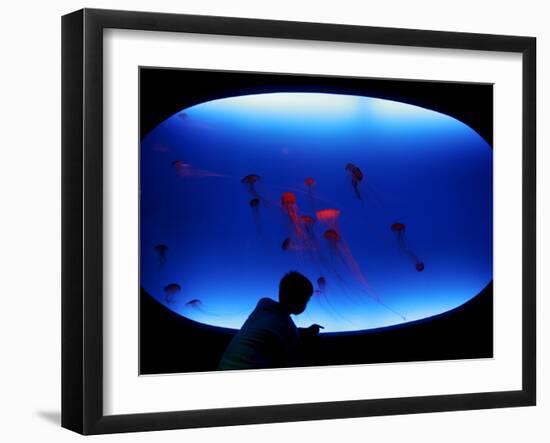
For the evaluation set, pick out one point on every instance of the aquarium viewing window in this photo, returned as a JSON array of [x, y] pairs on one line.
[[272, 204]]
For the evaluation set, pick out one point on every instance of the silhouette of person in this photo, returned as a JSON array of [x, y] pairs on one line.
[[269, 338]]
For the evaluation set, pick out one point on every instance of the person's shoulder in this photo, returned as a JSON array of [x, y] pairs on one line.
[[268, 306], [266, 302]]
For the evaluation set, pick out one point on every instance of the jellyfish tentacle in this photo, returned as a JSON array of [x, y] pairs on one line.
[[399, 229]]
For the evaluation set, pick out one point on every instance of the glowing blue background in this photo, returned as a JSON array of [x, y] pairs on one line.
[[422, 168]]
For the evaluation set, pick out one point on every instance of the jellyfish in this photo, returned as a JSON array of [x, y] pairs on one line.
[[290, 206], [254, 204], [399, 230], [288, 200], [161, 251], [329, 217], [250, 181], [321, 284], [332, 236], [171, 291], [324, 299], [356, 177], [341, 250], [197, 305], [309, 239], [308, 222], [310, 183], [285, 245]]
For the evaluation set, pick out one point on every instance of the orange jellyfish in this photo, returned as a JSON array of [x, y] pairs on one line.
[[171, 291], [288, 200], [356, 176], [329, 217], [290, 206], [161, 251], [399, 230], [309, 182]]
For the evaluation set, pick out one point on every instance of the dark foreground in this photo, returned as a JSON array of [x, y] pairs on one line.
[[170, 343]]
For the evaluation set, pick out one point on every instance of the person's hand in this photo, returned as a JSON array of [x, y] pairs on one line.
[[314, 329]]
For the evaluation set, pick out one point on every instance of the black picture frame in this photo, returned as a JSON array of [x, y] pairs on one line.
[[82, 219]]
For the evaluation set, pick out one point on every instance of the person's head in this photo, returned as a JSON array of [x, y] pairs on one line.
[[295, 290]]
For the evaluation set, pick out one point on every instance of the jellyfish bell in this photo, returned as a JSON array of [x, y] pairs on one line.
[[195, 303], [419, 266], [331, 235], [329, 217], [254, 204], [172, 287], [398, 227], [354, 171], [309, 182], [321, 283], [161, 248], [288, 199], [250, 180], [171, 291]]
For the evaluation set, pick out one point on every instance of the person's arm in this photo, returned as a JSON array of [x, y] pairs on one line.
[[310, 331]]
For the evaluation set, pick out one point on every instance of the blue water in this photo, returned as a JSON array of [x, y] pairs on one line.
[[420, 168]]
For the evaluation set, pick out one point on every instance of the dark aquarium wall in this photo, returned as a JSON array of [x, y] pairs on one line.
[[379, 191]]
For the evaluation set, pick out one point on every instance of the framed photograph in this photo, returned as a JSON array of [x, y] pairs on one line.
[[269, 221]]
